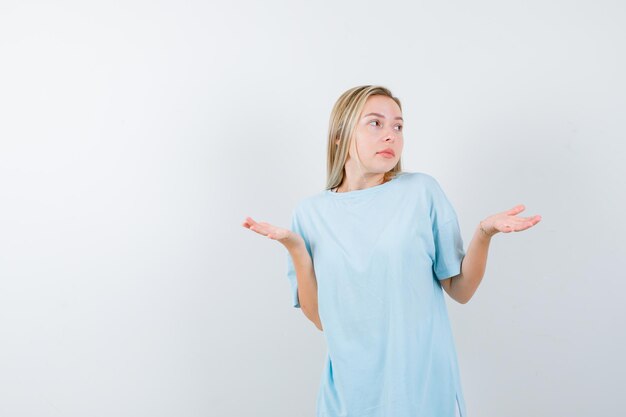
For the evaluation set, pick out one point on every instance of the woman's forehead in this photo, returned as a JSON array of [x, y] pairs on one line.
[[381, 106]]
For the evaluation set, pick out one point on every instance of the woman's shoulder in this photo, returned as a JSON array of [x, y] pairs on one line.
[[422, 184], [306, 203], [420, 178]]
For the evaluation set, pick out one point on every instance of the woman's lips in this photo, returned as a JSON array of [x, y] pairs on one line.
[[387, 155]]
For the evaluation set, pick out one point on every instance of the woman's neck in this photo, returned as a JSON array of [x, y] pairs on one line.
[[344, 187]]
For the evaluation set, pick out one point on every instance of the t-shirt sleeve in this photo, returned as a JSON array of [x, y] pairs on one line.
[[296, 227], [449, 252]]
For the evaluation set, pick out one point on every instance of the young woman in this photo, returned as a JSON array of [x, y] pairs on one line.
[[368, 260]]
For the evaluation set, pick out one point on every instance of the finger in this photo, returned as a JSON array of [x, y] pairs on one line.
[[517, 209], [257, 229], [529, 221], [512, 219], [261, 227], [526, 219], [523, 220], [526, 225]]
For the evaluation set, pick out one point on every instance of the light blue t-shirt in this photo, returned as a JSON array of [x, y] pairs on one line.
[[378, 255]]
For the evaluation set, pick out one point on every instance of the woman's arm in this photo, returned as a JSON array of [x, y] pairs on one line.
[[302, 262], [307, 282], [463, 286]]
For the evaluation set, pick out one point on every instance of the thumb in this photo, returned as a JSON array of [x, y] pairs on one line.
[[517, 209]]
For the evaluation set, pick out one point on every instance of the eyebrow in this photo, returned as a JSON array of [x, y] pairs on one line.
[[380, 115]]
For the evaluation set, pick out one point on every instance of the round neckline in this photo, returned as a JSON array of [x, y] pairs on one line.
[[364, 191]]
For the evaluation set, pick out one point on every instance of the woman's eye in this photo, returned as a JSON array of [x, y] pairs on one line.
[[373, 121], [399, 127]]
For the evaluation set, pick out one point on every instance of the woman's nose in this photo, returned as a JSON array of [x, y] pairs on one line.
[[391, 135]]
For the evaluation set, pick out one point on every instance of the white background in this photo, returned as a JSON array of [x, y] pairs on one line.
[[135, 137]]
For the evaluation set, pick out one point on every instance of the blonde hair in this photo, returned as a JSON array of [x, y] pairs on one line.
[[343, 121]]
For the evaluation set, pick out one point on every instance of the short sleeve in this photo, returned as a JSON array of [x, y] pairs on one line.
[[449, 252], [296, 227]]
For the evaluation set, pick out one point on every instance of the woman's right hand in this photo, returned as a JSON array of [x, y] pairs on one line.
[[284, 236]]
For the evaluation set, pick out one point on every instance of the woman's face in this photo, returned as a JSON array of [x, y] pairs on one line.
[[379, 128]]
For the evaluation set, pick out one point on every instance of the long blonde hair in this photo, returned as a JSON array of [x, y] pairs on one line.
[[343, 121]]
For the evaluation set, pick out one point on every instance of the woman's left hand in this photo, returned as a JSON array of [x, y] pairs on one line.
[[507, 221]]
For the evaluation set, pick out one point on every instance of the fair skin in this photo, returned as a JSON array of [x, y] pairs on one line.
[[303, 264], [462, 287], [379, 127], [382, 130]]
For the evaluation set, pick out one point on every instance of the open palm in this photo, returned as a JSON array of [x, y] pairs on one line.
[[266, 229], [507, 221]]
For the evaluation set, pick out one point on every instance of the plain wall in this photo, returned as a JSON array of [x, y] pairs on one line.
[[136, 136]]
